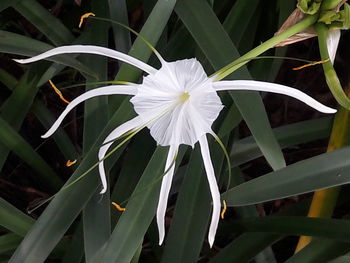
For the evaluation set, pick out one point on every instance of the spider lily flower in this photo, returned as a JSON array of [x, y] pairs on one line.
[[178, 103]]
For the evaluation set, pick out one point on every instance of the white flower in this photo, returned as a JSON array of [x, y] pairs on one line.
[[179, 104]]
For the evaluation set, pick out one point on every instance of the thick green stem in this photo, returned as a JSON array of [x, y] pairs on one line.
[[302, 25], [330, 74]]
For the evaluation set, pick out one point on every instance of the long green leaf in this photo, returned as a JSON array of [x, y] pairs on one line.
[[336, 229], [244, 247], [61, 138], [96, 214], [136, 160], [16, 107], [9, 242], [289, 135], [7, 3], [323, 171], [43, 20], [321, 250], [13, 219], [13, 141], [139, 213]]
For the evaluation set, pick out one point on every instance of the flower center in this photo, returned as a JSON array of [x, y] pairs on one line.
[[184, 97]]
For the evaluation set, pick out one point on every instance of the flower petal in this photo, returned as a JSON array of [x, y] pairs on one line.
[[332, 43], [215, 194], [164, 191], [116, 133], [108, 90], [271, 87], [88, 49]]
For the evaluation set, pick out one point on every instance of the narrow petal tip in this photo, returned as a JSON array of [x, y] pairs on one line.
[[211, 241], [44, 136], [332, 111], [103, 191]]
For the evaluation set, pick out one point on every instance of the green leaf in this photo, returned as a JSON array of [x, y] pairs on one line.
[[118, 12], [7, 3], [13, 219], [135, 162], [336, 229], [13, 141], [323, 171], [342, 259], [96, 214], [206, 33], [75, 252], [9, 242], [44, 21], [138, 215], [320, 250], [245, 247], [246, 149], [16, 107], [61, 138], [237, 20]]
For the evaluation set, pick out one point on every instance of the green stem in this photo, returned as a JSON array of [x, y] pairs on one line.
[[302, 25], [330, 74]]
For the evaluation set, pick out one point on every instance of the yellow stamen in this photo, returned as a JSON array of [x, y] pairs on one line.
[[70, 163], [184, 96], [118, 207], [58, 92], [223, 209], [311, 64], [83, 17]]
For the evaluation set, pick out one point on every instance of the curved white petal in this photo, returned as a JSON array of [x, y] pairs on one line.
[[271, 87], [332, 43], [215, 194], [164, 191], [117, 132], [108, 90], [88, 49]]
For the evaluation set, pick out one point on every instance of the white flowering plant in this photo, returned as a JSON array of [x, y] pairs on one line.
[[170, 145]]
